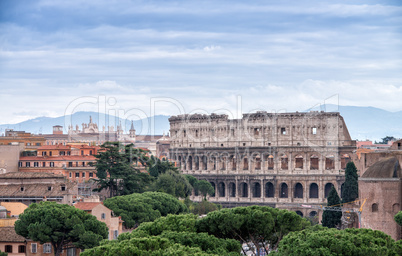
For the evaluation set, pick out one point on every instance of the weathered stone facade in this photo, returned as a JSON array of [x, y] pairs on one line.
[[276, 159]]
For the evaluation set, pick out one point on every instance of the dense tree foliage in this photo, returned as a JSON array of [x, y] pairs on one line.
[[60, 224], [325, 241], [3, 253], [145, 246], [350, 191], [179, 230], [260, 226], [398, 218], [172, 183], [117, 169], [386, 139], [204, 187], [203, 207], [332, 219], [158, 166], [137, 208]]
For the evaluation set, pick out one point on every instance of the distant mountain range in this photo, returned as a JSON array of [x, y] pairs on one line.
[[363, 122], [156, 125]]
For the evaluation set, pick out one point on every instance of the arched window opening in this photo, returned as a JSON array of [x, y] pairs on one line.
[[257, 190], [329, 163], [270, 162], [197, 163], [232, 189], [299, 213], [374, 207], [313, 190], [299, 162], [245, 163], [244, 189], [298, 191], [327, 189], [284, 191], [314, 162], [190, 163], [284, 162], [221, 189], [213, 185], [269, 190]]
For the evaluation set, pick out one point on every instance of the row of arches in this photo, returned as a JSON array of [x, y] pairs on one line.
[[258, 162], [269, 191]]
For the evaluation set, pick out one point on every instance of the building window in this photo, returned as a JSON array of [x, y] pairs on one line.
[[115, 234], [37, 144], [44, 153], [34, 248], [63, 188], [21, 189], [70, 164], [50, 153], [91, 175], [51, 164], [8, 248], [68, 153], [77, 174], [82, 152], [90, 152], [71, 252], [71, 175], [62, 153], [83, 174], [76, 164], [49, 188], [44, 164], [83, 164], [47, 248], [28, 144], [20, 164], [283, 131], [314, 130], [27, 164], [36, 164], [21, 249], [103, 216], [374, 208]]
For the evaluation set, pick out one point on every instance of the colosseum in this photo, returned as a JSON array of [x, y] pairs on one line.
[[282, 160]]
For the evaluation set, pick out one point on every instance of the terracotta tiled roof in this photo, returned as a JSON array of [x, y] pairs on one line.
[[8, 235], [87, 206], [29, 175], [34, 190]]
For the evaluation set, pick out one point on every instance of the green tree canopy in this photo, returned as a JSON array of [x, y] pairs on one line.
[[181, 229], [398, 218], [350, 191], [332, 219], [3, 253], [204, 207], [117, 169], [204, 187], [261, 226], [348, 242], [60, 224], [145, 246], [137, 208], [158, 167], [172, 183]]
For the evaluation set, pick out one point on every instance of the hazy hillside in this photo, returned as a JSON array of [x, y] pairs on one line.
[[362, 122], [152, 125]]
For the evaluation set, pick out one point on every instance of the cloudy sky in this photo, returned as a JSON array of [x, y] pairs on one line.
[[170, 57]]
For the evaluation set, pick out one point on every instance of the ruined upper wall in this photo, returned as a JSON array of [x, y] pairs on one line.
[[314, 128]]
